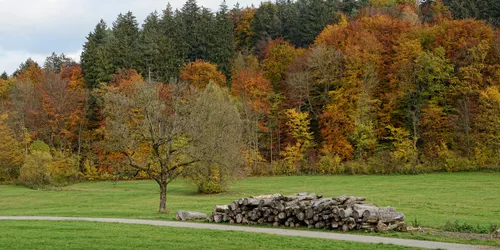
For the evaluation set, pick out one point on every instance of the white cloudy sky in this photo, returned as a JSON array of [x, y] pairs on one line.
[[36, 28]]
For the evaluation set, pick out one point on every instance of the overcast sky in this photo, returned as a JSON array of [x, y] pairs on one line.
[[36, 28]]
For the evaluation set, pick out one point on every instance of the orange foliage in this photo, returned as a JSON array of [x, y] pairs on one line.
[[200, 73], [33, 74], [254, 88], [336, 127], [74, 75], [125, 81]]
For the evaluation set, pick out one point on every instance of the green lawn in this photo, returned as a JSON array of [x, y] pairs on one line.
[[89, 235], [433, 199]]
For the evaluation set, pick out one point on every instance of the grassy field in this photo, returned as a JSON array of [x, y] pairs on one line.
[[88, 235], [432, 200]]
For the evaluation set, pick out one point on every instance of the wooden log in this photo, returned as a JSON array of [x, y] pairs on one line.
[[270, 219], [218, 218], [245, 221], [239, 218], [251, 202], [301, 216], [341, 199], [268, 196], [234, 205], [309, 213], [278, 205], [221, 209], [282, 215], [320, 225], [390, 217], [344, 213], [266, 202], [188, 215], [316, 217]]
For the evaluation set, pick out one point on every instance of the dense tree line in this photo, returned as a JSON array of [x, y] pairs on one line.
[[307, 86]]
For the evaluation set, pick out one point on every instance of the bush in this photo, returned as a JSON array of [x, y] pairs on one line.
[[209, 179], [330, 164], [450, 161], [34, 172], [41, 169]]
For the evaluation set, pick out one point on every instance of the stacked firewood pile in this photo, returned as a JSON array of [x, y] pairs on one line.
[[310, 210]]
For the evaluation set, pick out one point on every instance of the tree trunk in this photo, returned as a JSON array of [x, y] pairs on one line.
[[163, 198]]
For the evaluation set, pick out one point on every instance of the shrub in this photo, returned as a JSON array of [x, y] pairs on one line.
[[330, 164], [40, 168], [34, 172], [209, 179]]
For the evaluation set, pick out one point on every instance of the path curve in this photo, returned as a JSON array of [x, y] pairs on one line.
[[275, 231]]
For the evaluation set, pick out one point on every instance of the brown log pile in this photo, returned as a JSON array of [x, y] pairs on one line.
[[343, 213]]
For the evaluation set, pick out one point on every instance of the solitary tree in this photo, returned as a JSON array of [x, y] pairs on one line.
[[153, 127]]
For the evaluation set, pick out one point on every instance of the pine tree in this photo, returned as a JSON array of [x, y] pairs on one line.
[[224, 49], [173, 48], [124, 48], [4, 76], [95, 60], [55, 62]]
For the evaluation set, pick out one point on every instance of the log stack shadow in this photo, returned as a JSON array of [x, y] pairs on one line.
[[343, 213]]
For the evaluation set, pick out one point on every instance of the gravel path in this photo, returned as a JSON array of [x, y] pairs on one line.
[[285, 232]]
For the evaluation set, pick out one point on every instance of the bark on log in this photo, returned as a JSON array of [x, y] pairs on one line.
[[188, 215], [222, 209]]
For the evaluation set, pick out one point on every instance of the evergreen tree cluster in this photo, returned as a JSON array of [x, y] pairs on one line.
[[161, 47]]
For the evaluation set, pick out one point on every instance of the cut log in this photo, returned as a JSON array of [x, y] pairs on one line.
[[239, 218], [266, 202], [320, 225], [222, 209], [309, 213], [218, 218], [188, 215], [344, 213]]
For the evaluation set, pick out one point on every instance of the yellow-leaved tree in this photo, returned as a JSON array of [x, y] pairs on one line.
[[11, 152], [302, 140]]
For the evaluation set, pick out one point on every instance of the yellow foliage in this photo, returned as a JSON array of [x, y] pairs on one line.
[[11, 151]]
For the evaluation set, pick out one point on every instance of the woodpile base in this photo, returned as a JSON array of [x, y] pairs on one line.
[[310, 210]]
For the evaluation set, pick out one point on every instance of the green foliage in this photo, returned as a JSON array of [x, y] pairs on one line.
[[214, 182], [215, 140], [487, 10], [95, 58], [330, 164], [456, 226], [42, 169], [124, 44]]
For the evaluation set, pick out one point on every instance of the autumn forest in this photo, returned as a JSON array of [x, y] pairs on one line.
[[286, 88]]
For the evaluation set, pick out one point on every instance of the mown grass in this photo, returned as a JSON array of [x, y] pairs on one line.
[[88, 235], [433, 199]]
